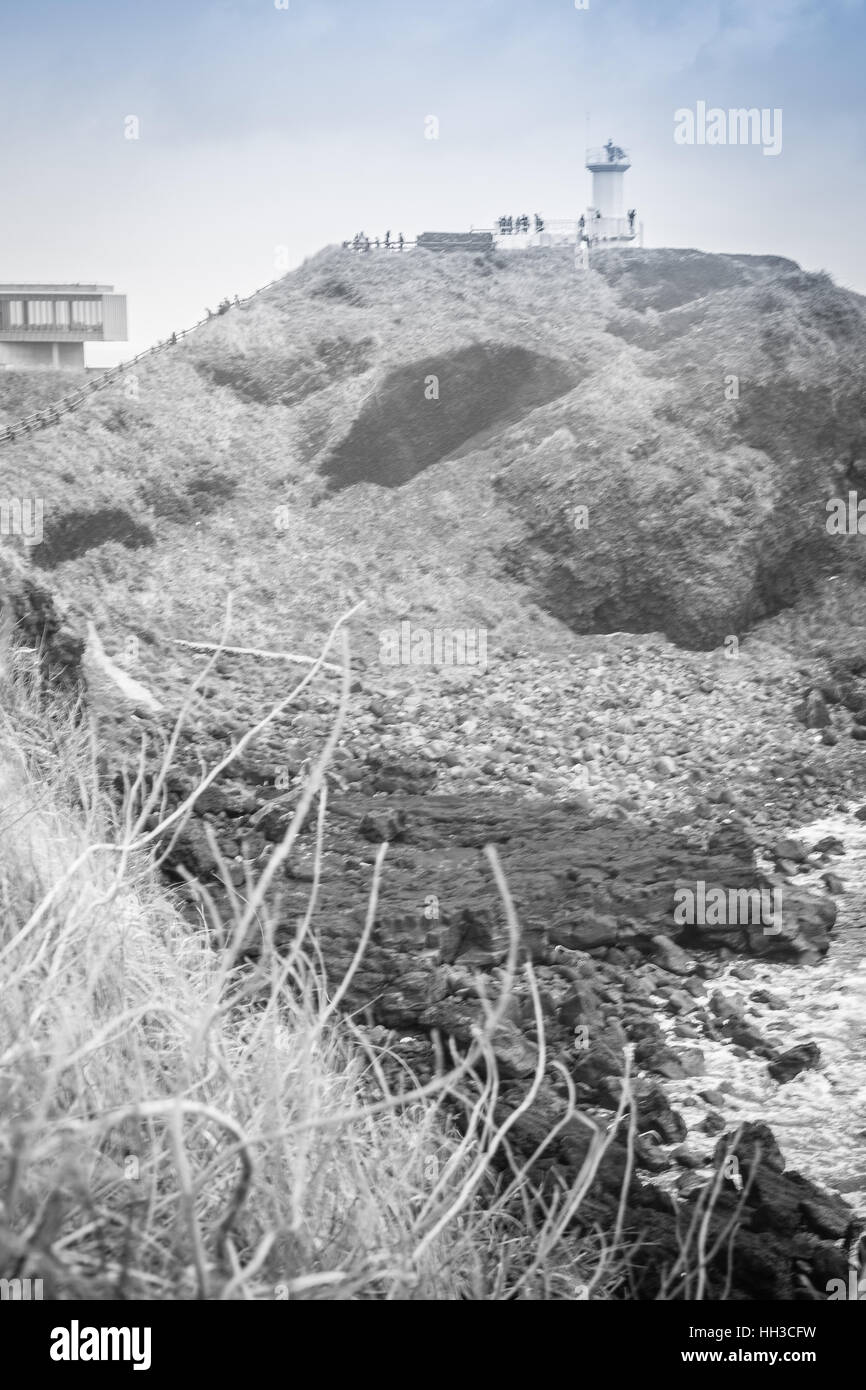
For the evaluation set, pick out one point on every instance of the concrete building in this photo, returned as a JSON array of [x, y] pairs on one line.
[[48, 325]]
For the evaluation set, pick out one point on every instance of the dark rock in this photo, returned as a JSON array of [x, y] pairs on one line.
[[773, 1201], [584, 935], [825, 1262], [386, 825], [796, 1059], [755, 1144], [744, 1035], [772, 1001], [806, 920], [654, 1112], [790, 849], [516, 1057], [826, 1215], [831, 691], [648, 1155], [658, 1058], [192, 852], [830, 844], [601, 1065], [712, 1123], [472, 929], [671, 957], [579, 1005], [724, 1007], [817, 715], [686, 1157], [833, 883]]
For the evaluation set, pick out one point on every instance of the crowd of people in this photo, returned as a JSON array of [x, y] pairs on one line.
[[513, 226], [506, 226], [361, 242]]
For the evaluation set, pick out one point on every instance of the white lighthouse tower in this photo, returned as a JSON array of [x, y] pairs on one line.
[[608, 222], [608, 219]]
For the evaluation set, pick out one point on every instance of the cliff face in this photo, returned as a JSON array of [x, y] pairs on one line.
[[707, 469], [647, 447]]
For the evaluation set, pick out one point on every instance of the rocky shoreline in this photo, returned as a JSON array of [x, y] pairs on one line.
[[595, 899], [618, 974]]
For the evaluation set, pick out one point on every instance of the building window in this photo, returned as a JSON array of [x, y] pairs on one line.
[[40, 313], [86, 313]]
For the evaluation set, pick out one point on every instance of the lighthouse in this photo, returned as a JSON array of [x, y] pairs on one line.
[[608, 222], [608, 219]]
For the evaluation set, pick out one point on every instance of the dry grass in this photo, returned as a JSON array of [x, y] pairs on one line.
[[177, 1125]]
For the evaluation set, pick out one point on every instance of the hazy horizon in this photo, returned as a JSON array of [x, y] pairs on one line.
[[262, 128]]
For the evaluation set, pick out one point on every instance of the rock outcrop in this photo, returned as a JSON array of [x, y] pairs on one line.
[[34, 619]]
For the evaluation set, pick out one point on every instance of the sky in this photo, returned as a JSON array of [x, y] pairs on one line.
[[267, 129]]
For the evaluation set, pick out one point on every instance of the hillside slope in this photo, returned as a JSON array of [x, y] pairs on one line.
[[491, 399]]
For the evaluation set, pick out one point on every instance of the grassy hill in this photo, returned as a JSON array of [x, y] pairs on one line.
[[420, 432], [491, 398]]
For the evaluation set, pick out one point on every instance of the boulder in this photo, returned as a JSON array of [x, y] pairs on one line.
[[584, 934], [817, 715], [795, 1060]]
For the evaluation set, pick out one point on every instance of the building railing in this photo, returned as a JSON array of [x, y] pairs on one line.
[[53, 414], [369, 243], [609, 228]]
